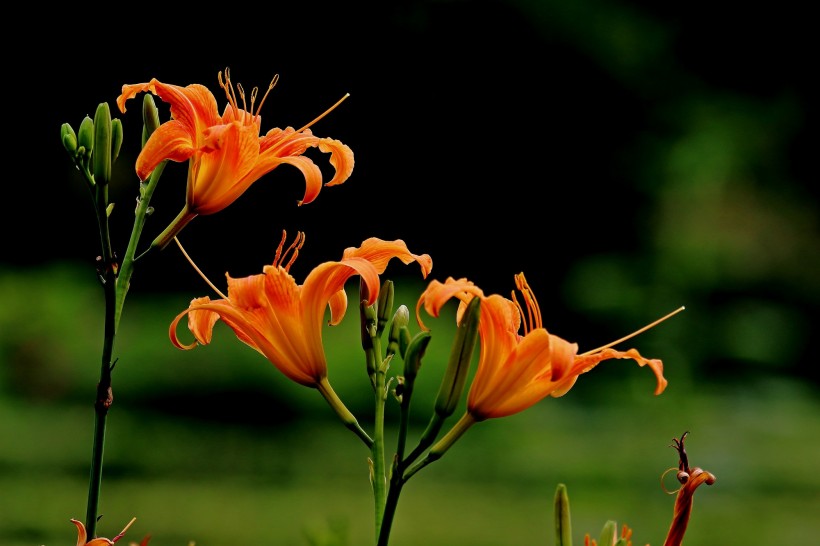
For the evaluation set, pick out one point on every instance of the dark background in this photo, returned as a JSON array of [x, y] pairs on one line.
[[629, 157]]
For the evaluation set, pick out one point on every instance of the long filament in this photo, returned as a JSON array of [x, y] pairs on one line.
[[636, 332], [201, 274]]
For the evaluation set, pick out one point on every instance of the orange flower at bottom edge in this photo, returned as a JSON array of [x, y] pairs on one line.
[[515, 371], [283, 320], [626, 537], [82, 535], [690, 478]]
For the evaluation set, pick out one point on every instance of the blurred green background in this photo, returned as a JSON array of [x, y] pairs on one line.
[[628, 157]]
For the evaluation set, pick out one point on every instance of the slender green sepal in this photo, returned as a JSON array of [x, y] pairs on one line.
[[109, 209], [461, 355], [69, 139], [150, 117], [563, 524], [116, 139], [101, 156], [608, 533]]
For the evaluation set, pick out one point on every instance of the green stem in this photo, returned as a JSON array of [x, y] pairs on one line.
[[127, 267], [441, 447], [392, 502], [104, 396], [377, 450], [116, 281], [341, 410]]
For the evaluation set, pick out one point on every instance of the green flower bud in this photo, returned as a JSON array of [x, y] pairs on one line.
[[68, 138], [461, 354], [404, 341], [608, 533], [85, 136], [101, 155], [415, 352], [563, 524], [400, 321], [150, 117], [116, 138]]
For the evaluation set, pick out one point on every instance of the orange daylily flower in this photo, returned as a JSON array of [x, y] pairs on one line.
[[517, 370], [82, 535], [225, 153], [283, 320]]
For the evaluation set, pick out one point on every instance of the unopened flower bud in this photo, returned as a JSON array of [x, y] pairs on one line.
[[400, 321], [150, 117], [101, 155], [68, 138], [385, 305], [116, 138], [85, 136], [415, 352], [563, 522]]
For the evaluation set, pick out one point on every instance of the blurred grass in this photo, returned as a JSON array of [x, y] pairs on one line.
[[215, 446]]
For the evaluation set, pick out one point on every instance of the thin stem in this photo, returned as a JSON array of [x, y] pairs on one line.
[[127, 267], [377, 450], [440, 448], [116, 282], [392, 502], [107, 270]]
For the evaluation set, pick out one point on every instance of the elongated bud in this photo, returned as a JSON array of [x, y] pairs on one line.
[[150, 117], [415, 352], [116, 139], [101, 155], [461, 354], [400, 321], [385, 306], [69, 139], [563, 524], [85, 135]]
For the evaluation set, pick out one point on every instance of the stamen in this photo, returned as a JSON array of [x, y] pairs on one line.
[[293, 250], [278, 254], [683, 463], [242, 96], [254, 92], [533, 309], [122, 533], [270, 87], [329, 110], [229, 92], [636, 332], [201, 274]]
